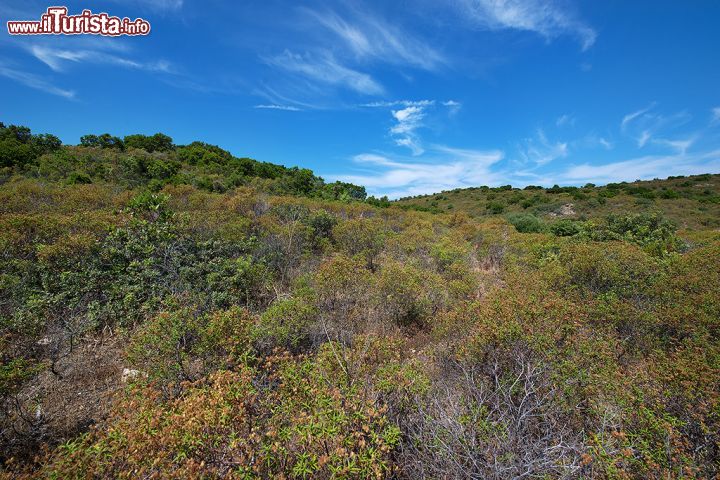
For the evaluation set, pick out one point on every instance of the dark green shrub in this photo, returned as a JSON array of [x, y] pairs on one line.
[[515, 198], [78, 178], [150, 143], [363, 236], [532, 201], [287, 324], [102, 141], [495, 208], [565, 228], [526, 223], [649, 230], [322, 223], [616, 268]]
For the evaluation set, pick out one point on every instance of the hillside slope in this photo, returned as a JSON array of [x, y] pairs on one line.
[[691, 202]]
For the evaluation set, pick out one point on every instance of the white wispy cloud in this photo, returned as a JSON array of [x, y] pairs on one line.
[[408, 119], [445, 168], [370, 37], [342, 46], [715, 115], [681, 146], [590, 141], [539, 151], [164, 4], [647, 167], [627, 119], [56, 59], [397, 103], [453, 106], [36, 82], [564, 120], [324, 68], [156, 5], [441, 167], [646, 124], [545, 17], [275, 97], [606, 143], [288, 108]]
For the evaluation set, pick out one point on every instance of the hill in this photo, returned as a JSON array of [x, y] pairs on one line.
[[153, 161], [177, 312], [691, 202]]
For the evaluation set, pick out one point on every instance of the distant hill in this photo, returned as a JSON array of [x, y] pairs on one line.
[[692, 202], [154, 161]]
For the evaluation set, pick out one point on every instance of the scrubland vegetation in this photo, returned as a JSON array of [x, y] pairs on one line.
[[176, 312], [690, 202]]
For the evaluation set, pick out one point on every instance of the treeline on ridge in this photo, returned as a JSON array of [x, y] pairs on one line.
[[155, 161]]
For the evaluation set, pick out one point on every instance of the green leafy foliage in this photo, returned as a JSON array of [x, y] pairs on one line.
[[150, 143], [651, 231], [526, 223], [566, 228], [155, 161], [104, 140], [19, 147]]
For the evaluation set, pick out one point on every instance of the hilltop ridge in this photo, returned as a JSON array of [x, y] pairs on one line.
[[690, 201]]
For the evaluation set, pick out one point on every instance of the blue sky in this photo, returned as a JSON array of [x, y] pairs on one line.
[[404, 97]]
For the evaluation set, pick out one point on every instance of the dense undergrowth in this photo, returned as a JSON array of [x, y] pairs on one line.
[[175, 331]]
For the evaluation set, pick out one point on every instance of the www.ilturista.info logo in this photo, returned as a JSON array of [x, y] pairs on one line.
[[56, 21]]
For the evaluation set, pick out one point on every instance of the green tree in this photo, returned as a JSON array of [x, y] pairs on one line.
[[154, 143]]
